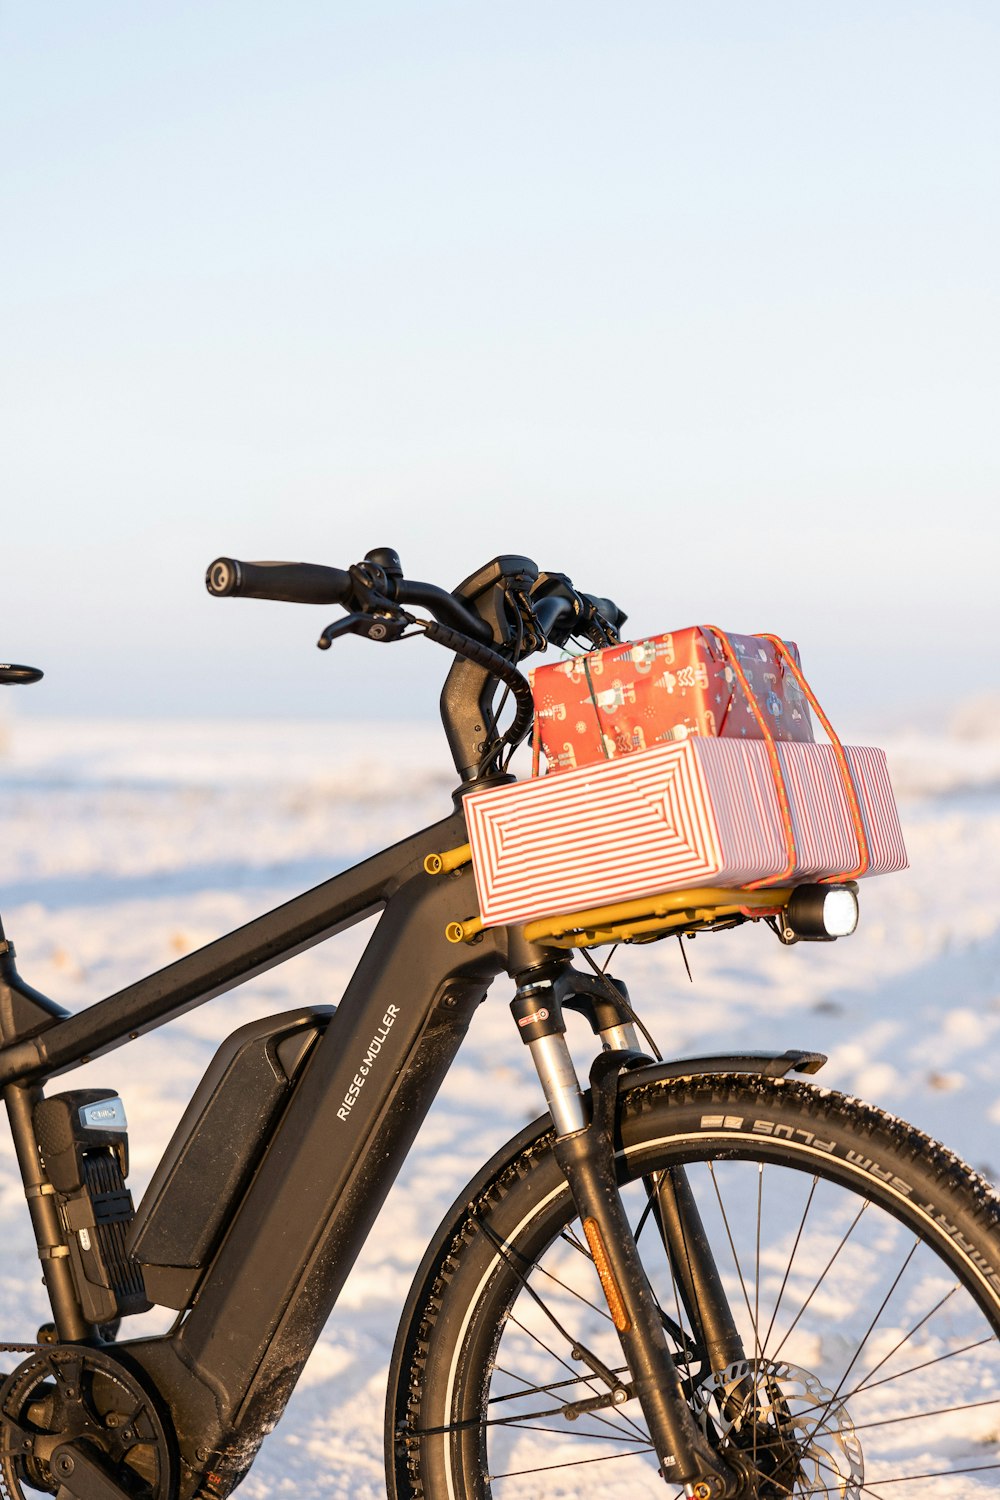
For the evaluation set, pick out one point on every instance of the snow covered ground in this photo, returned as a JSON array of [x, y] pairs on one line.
[[126, 845]]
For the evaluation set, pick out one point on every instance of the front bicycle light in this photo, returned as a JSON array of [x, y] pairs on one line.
[[819, 913]]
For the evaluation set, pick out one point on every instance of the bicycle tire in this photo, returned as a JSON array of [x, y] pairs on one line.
[[863, 1267]]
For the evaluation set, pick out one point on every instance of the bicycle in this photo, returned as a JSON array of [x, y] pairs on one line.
[[704, 1271]]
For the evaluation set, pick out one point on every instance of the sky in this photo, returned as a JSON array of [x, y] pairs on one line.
[[698, 303]]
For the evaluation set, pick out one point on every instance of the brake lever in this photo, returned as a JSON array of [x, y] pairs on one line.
[[377, 628]]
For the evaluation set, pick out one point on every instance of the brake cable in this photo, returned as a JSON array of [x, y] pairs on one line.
[[497, 665]]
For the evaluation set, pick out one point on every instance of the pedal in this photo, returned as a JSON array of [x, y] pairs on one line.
[[82, 1137]]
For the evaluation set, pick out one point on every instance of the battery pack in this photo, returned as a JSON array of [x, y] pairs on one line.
[[215, 1150]]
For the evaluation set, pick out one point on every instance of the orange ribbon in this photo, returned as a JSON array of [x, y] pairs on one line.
[[778, 775], [851, 791], [773, 755]]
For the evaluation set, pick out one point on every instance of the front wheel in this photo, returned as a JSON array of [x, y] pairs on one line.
[[861, 1263]]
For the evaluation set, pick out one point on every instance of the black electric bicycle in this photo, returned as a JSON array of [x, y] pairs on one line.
[[701, 1272]]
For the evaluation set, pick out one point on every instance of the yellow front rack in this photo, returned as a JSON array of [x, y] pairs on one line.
[[642, 920]]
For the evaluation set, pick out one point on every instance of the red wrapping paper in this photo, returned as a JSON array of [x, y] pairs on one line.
[[627, 698]]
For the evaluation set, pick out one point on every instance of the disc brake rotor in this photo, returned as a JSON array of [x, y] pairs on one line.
[[790, 1435]]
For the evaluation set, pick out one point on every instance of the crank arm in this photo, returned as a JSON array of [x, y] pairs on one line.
[[82, 1476]]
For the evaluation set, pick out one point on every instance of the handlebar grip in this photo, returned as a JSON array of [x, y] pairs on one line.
[[10, 672], [553, 610], [608, 610], [284, 582]]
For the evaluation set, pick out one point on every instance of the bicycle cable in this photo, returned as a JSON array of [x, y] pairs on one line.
[[623, 1001]]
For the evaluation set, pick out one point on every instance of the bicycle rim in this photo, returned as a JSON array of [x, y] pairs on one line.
[[856, 1263]]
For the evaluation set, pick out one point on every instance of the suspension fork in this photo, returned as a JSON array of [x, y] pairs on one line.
[[675, 1210], [691, 1259], [584, 1149]]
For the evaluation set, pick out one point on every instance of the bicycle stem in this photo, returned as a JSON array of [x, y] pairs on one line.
[[584, 1149]]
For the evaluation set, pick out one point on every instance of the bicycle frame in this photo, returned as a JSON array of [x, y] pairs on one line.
[[291, 1237], [334, 1153]]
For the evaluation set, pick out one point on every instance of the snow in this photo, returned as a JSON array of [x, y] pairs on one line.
[[127, 844]]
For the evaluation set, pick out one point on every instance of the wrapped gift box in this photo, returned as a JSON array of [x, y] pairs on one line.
[[626, 698], [692, 812]]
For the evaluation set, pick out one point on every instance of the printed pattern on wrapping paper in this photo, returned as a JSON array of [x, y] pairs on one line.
[[695, 812], [568, 839], [622, 700], [870, 775]]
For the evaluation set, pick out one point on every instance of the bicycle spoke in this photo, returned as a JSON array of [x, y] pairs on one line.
[[866, 1382], [573, 1463], [643, 1217], [821, 1278], [871, 1326], [914, 1369], [537, 1390], [791, 1259], [868, 1333], [594, 1307], [576, 1243], [529, 1424], [729, 1236], [917, 1416], [587, 1380], [939, 1474]]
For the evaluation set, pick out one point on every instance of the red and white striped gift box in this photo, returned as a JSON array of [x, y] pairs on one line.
[[694, 812]]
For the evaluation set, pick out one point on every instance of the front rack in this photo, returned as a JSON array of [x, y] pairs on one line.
[[639, 921], [653, 917]]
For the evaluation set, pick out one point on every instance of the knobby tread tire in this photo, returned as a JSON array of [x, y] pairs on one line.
[[441, 1350]]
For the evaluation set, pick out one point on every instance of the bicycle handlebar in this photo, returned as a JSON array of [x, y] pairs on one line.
[[284, 582], [488, 622], [445, 608], [607, 609], [313, 583]]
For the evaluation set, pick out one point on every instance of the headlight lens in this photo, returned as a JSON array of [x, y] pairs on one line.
[[822, 911], [840, 911]]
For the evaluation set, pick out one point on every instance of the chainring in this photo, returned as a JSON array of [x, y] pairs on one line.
[[787, 1433], [63, 1393]]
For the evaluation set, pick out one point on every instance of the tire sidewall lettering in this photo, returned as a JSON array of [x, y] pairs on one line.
[[750, 1128]]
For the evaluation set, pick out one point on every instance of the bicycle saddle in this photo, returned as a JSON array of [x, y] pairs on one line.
[[11, 674]]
